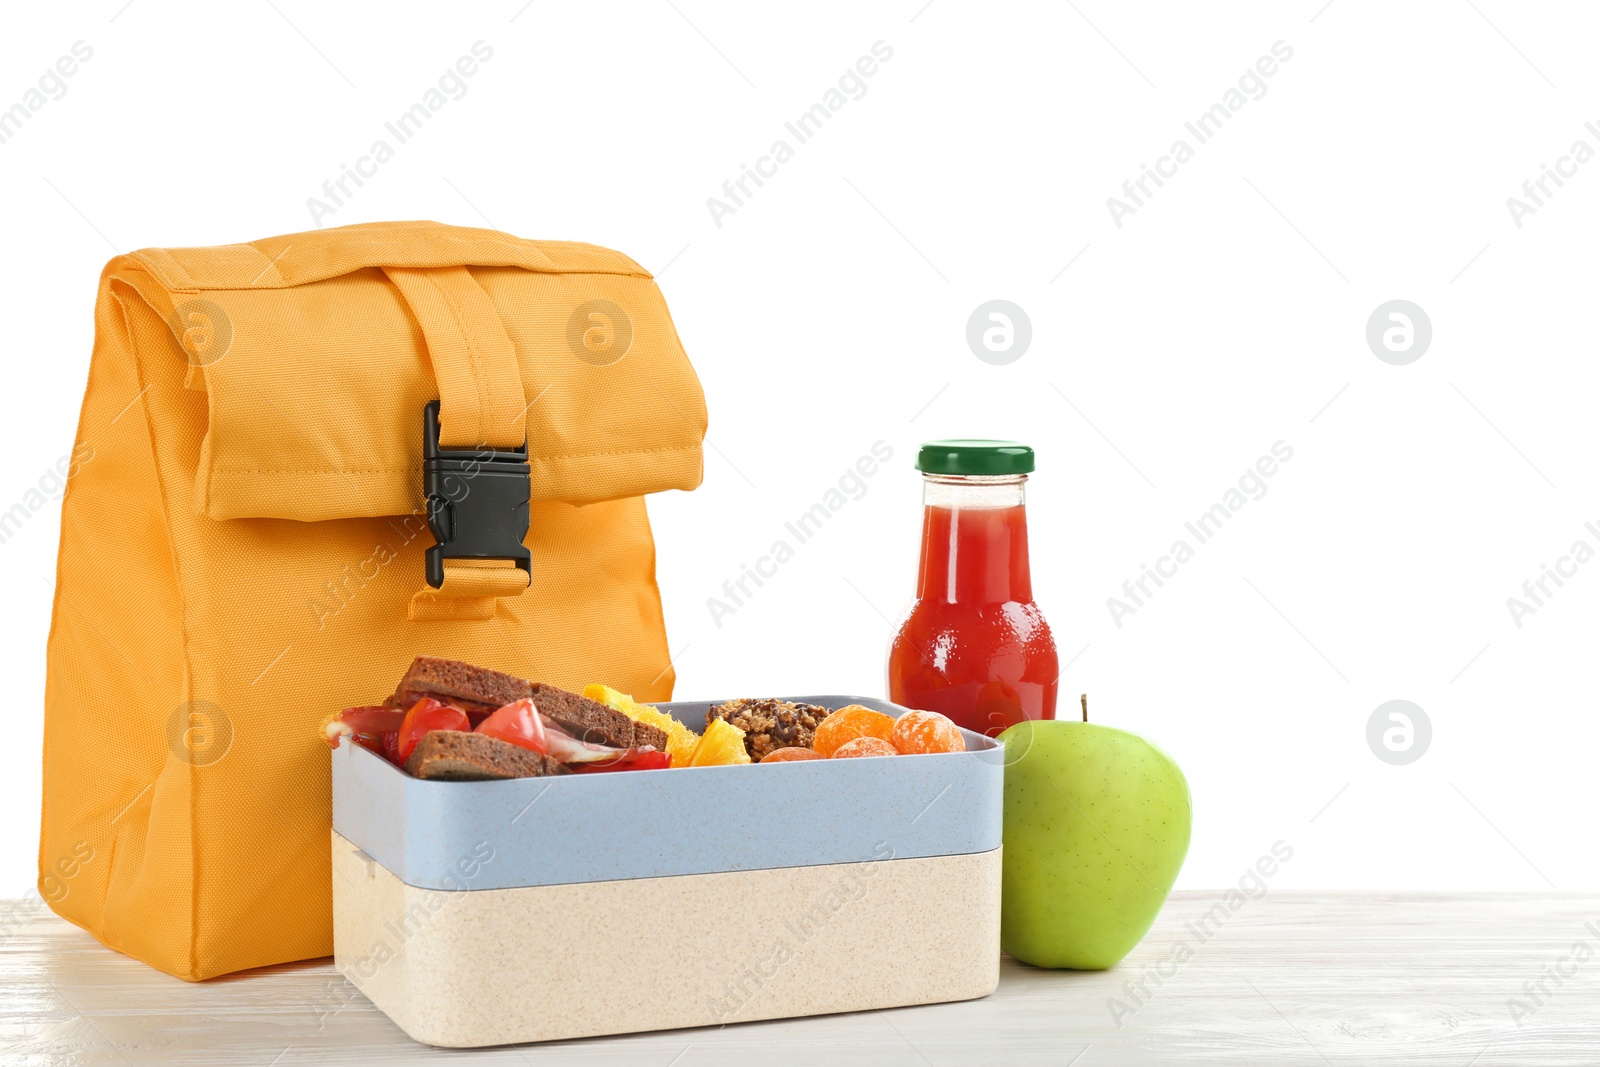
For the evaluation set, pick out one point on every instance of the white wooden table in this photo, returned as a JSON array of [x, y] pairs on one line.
[[1292, 978]]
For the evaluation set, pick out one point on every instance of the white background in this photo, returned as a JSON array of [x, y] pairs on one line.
[[829, 312]]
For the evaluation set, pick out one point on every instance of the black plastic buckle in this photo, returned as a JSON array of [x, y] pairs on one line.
[[477, 501]]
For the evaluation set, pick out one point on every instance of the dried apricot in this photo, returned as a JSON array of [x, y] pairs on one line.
[[865, 746], [847, 724], [926, 731], [785, 755]]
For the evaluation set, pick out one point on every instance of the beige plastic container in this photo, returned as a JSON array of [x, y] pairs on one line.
[[500, 966]]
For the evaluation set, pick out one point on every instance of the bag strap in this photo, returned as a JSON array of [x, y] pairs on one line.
[[474, 361], [481, 405], [471, 590]]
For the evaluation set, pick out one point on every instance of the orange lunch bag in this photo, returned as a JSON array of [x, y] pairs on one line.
[[245, 545]]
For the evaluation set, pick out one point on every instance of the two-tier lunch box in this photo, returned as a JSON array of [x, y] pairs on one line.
[[486, 913]]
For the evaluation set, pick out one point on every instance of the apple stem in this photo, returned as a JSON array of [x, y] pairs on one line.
[[1083, 698]]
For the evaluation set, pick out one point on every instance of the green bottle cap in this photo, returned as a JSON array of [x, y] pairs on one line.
[[969, 457]]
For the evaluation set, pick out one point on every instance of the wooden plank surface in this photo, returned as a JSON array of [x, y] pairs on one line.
[[1291, 978]]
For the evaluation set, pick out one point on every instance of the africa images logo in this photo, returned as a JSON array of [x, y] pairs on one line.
[[1251, 85]]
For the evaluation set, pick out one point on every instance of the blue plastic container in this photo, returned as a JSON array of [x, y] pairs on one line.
[[651, 824]]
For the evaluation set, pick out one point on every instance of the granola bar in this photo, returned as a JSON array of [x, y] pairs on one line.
[[770, 724]]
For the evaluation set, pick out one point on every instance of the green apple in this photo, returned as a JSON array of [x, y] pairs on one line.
[[1096, 828]]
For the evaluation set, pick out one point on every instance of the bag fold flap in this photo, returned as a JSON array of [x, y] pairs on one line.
[[316, 371]]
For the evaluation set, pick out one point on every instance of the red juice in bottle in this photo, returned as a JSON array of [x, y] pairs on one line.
[[975, 646]]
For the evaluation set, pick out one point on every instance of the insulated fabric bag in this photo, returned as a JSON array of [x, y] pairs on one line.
[[244, 538]]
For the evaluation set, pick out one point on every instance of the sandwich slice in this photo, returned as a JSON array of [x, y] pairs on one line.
[[457, 756], [477, 691], [592, 722]]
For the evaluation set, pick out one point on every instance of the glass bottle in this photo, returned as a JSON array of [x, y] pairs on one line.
[[975, 646]]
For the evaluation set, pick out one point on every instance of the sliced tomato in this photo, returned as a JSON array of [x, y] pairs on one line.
[[519, 723], [391, 747], [633, 759], [424, 717]]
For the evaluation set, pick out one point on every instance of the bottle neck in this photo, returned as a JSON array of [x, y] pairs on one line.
[[974, 541]]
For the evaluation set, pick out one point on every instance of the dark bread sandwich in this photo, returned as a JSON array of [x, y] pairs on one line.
[[457, 756], [577, 732], [591, 721], [475, 690]]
